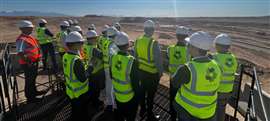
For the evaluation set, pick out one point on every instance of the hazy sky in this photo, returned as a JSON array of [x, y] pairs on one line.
[[172, 8]]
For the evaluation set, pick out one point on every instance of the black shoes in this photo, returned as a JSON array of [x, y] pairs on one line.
[[33, 100]]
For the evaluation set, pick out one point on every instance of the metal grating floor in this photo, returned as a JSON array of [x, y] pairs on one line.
[[57, 108]]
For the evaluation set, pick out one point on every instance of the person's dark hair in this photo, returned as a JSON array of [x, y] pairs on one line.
[[123, 47], [202, 52], [72, 43], [41, 24], [63, 27]]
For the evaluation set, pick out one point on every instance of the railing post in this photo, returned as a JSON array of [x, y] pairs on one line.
[[250, 101], [239, 90], [260, 93]]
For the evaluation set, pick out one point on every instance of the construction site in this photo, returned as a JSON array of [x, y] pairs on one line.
[[250, 100]]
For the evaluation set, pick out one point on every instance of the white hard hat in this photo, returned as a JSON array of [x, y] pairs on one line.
[[75, 21], [121, 39], [42, 21], [74, 37], [106, 26], [223, 39], [64, 23], [70, 21], [182, 30], [25, 23], [76, 28], [91, 34], [200, 40], [112, 31], [149, 24], [117, 24], [92, 27]]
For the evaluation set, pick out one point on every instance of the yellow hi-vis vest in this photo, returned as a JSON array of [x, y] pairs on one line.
[[106, 52], [42, 37], [228, 64], [74, 88], [199, 96], [121, 69], [59, 40], [88, 52], [144, 54], [100, 42], [178, 55]]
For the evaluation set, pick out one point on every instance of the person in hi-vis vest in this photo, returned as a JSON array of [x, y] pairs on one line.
[[228, 64], [77, 77], [108, 49], [197, 82], [61, 38], [124, 71], [177, 56], [29, 56], [94, 56], [45, 39], [148, 53]]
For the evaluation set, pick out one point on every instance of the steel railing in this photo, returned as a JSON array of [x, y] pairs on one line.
[[8, 83], [250, 114]]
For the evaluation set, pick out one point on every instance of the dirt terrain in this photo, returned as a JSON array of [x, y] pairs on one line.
[[250, 35]]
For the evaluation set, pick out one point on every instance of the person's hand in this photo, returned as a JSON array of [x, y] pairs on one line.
[[27, 60], [89, 69]]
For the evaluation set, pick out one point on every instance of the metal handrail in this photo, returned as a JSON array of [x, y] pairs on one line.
[[250, 70], [9, 81], [260, 93]]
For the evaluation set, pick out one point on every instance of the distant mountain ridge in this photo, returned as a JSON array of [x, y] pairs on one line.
[[30, 13]]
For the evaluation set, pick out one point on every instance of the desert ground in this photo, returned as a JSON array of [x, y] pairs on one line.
[[250, 35]]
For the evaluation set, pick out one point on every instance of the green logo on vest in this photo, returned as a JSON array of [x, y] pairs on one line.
[[118, 65], [229, 62], [210, 74], [65, 62], [105, 45], [177, 54]]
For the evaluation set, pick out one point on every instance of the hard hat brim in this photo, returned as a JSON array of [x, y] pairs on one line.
[[82, 41], [31, 26]]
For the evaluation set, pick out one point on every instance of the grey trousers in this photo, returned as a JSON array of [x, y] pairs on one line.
[[109, 89], [221, 105]]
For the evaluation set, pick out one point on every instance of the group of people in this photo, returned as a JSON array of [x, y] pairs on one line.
[[201, 81]]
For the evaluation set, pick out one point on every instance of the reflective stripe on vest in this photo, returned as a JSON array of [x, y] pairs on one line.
[[121, 68], [122, 92], [178, 55], [100, 42], [33, 50], [105, 49], [228, 64], [42, 37], [196, 104], [199, 96], [60, 41], [144, 54], [74, 87], [88, 52]]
